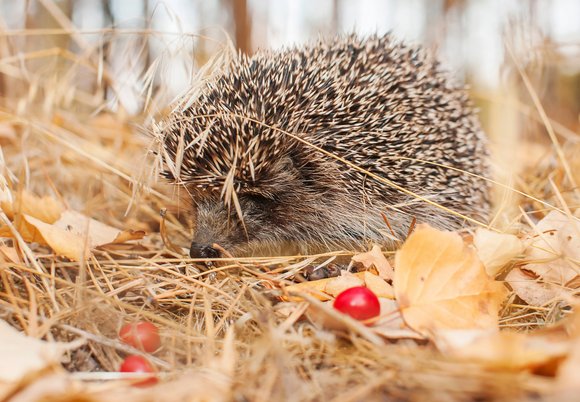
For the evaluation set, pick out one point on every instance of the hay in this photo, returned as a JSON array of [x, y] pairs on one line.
[[225, 335]]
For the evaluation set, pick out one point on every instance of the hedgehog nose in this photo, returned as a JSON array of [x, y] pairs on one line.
[[200, 250]]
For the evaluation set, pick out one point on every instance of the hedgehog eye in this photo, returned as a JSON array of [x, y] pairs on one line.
[[259, 198]]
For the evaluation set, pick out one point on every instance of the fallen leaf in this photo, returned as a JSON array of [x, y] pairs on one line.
[[52, 387], [554, 261], [376, 258], [378, 285], [325, 289], [391, 324], [73, 235], [318, 288], [21, 355], [345, 281], [558, 244], [46, 209], [99, 233], [567, 374], [495, 250], [62, 242], [530, 288], [440, 283], [501, 350], [9, 254]]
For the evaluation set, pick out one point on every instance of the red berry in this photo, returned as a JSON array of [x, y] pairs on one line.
[[138, 364], [358, 302], [141, 335]]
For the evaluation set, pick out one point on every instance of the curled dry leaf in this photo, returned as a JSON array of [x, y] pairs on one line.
[[378, 285], [318, 289], [326, 289], [391, 324], [45, 209], [556, 248], [99, 233], [530, 288], [52, 387], [9, 254], [567, 374], [440, 283], [554, 260], [62, 242], [21, 355], [345, 281], [501, 350], [376, 258], [495, 250], [44, 220]]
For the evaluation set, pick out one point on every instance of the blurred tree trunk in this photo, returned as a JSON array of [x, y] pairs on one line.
[[243, 25], [336, 8]]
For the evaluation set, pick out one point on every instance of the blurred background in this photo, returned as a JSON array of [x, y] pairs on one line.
[[136, 56]]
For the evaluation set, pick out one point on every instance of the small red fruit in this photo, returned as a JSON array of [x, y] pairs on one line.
[[141, 335], [138, 364], [358, 302]]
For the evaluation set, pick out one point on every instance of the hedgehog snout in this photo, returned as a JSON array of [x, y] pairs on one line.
[[201, 250]]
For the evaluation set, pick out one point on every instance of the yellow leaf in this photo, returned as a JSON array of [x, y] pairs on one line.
[[377, 259], [378, 285], [99, 233], [318, 288], [501, 350], [390, 324], [495, 250], [554, 254], [46, 209], [440, 283], [64, 243], [530, 288], [21, 355], [9, 254], [345, 281]]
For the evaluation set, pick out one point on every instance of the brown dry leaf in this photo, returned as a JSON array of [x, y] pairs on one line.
[[567, 374], [325, 289], [99, 233], [529, 288], [501, 350], [57, 386], [62, 242], [68, 236], [318, 288], [440, 283], [495, 250], [9, 254], [378, 285], [46, 209], [556, 248], [391, 324], [346, 280], [21, 355], [376, 258], [554, 255], [313, 288]]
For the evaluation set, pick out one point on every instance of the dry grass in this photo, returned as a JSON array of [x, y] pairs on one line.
[[225, 336]]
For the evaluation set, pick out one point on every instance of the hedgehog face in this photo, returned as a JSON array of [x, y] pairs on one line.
[[216, 222], [277, 209]]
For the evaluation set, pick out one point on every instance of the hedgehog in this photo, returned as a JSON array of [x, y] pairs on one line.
[[338, 143]]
